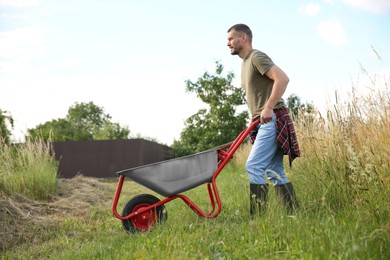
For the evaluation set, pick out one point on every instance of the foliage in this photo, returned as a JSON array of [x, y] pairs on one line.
[[296, 107], [84, 121], [87, 118], [112, 131], [6, 122], [57, 130], [220, 122]]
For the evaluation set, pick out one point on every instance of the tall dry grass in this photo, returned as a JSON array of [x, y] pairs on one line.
[[345, 160], [28, 169], [346, 152]]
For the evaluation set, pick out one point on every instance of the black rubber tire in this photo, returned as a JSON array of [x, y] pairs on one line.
[[144, 221]]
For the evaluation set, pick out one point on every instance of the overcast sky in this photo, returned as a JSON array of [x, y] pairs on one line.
[[133, 57]]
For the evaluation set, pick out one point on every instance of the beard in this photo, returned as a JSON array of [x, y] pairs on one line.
[[234, 52]]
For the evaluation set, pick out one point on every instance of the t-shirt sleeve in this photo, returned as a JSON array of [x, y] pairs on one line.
[[262, 62]]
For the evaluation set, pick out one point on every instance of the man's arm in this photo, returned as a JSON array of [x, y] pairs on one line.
[[280, 84]]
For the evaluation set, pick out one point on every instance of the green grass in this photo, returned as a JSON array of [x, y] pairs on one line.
[[28, 169], [317, 231]]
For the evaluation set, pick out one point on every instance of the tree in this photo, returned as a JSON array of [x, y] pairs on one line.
[[84, 121], [56, 130], [87, 118], [296, 108], [6, 122], [112, 131], [220, 122]]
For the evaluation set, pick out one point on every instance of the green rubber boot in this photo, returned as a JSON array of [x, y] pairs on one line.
[[258, 198], [287, 194]]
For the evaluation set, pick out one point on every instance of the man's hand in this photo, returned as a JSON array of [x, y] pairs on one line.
[[266, 115]]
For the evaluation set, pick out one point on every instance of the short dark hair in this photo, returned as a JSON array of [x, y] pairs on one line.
[[240, 27]]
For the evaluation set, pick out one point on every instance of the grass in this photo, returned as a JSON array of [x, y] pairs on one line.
[[27, 169], [342, 181], [317, 231]]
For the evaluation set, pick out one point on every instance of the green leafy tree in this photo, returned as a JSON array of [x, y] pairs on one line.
[[296, 107], [56, 130], [84, 121], [220, 122], [6, 125], [88, 119], [111, 131]]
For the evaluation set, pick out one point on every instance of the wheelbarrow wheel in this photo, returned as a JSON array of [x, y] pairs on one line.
[[146, 220]]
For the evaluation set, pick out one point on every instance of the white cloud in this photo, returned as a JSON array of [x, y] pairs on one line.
[[69, 63], [15, 43], [333, 32], [9, 17], [20, 68], [372, 6], [310, 9], [19, 47], [18, 3]]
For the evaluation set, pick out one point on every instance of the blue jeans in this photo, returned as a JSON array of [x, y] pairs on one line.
[[266, 157]]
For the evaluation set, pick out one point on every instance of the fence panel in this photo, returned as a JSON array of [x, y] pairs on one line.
[[103, 158]]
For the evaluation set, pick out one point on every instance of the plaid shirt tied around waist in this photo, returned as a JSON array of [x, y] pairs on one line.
[[285, 134]]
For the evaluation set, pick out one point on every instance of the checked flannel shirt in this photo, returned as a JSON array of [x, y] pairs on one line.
[[285, 131]]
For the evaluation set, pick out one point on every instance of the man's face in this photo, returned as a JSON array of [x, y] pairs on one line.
[[234, 42]]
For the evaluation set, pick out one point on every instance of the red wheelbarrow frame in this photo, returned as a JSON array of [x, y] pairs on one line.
[[223, 158]]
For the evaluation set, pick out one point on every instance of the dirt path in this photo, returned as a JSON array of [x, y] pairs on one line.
[[20, 216]]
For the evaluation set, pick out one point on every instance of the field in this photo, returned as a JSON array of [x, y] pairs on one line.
[[342, 181], [78, 224]]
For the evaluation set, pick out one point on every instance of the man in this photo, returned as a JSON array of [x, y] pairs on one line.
[[264, 84]]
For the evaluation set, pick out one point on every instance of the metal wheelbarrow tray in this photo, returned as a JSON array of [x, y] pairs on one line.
[[177, 175], [172, 177]]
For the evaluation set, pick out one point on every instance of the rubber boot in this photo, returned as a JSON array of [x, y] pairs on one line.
[[287, 194], [258, 198]]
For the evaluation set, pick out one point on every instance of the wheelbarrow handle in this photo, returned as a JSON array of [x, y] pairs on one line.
[[227, 145], [254, 122]]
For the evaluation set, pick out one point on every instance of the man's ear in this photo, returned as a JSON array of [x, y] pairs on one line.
[[244, 37]]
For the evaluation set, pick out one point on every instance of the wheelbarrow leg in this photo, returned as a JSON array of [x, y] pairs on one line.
[[117, 195], [212, 201]]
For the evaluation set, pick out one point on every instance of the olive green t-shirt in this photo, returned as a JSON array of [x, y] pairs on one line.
[[257, 85]]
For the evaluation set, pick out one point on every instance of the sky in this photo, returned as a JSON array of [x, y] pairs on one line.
[[132, 58]]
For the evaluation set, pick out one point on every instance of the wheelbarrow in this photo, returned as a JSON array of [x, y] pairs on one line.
[[170, 179]]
